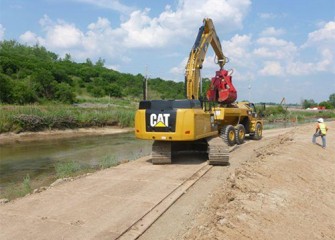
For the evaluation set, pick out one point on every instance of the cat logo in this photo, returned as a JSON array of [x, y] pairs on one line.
[[159, 120]]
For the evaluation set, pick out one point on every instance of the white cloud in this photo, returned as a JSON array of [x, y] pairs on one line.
[[109, 4], [170, 28], [59, 35], [178, 22], [237, 49], [272, 41], [327, 61], [31, 38], [270, 47], [325, 35], [180, 69], [271, 68], [64, 36], [2, 32], [142, 31], [323, 41], [299, 68], [271, 31]]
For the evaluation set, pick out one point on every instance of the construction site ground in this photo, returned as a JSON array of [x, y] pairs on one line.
[[282, 187]]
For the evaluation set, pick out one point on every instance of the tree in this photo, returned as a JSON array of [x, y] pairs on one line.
[[100, 63], [326, 104], [89, 62], [64, 93], [60, 75], [6, 89], [332, 99], [206, 83], [114, 90], [24, 92], [68, 58], [45, 84], [308, 103]]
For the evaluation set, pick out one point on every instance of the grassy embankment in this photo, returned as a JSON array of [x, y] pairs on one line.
[[98, 113]]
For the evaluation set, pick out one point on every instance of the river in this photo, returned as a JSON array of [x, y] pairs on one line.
[[38, 158]]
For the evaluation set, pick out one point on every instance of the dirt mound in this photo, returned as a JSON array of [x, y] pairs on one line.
[[285, 190]]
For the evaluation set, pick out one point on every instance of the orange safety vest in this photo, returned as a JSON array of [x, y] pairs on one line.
[[323, 128]]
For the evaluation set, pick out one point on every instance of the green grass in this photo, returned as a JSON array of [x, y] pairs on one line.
[[108, 161], [18, 190], [67, 169], [14, 118]]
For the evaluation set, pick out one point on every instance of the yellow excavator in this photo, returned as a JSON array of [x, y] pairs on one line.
[[191, 124]]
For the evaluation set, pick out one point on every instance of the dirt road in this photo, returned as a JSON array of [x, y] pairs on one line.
[[282, 187]]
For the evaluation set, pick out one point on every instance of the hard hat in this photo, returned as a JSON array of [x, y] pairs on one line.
[[320, 120]]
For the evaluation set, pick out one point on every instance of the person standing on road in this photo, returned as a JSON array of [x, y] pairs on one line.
[[321, 131]]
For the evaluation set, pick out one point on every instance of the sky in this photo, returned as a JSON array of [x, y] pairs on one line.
[[277, 49]]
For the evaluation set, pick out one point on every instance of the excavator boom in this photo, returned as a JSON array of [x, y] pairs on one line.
[[206, 35]]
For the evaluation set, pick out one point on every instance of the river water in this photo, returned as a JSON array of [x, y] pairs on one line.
[[38, 158]]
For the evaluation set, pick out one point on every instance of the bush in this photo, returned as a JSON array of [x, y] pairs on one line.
[[275, 110], [29, 122], [66, 169], [26, 185], [64, 93]]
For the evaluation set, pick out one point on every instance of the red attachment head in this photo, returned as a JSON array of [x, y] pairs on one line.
[[222, 89]]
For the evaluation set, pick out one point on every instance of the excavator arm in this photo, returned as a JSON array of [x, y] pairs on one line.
[[206, 35]]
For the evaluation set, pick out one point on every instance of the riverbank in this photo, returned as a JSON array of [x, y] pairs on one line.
[[34, 160], [7, 138]]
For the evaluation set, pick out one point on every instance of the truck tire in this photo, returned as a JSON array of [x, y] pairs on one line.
[[228, 135], [258, 132], [240, 133]]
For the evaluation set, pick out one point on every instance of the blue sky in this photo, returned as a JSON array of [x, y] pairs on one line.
[[276, 48]]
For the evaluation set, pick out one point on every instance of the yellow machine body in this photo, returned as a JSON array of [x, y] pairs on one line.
[[174, 124], [238, 113]]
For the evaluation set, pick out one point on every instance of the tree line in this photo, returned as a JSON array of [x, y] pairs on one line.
[[34, 74], [329, 104]]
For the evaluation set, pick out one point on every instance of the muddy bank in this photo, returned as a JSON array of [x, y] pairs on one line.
[[6, 138]]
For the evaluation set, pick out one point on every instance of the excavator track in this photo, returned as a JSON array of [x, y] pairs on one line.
[[161, 152], [218, 151]]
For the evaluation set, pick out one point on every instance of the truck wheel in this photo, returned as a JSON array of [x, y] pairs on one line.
[[229, 135], [240, 134], [258, 132]]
